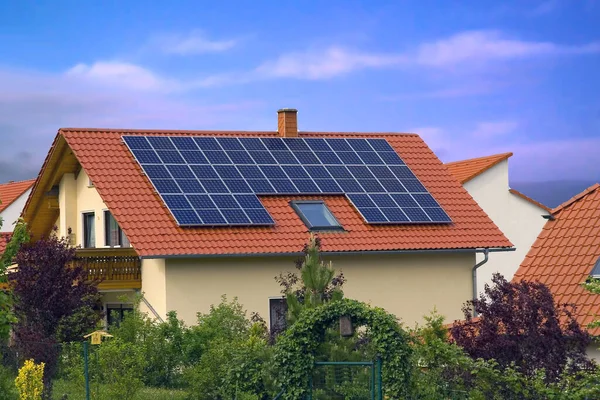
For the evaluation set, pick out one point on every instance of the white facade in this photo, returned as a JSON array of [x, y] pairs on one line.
[[520, 220], [11, 214]]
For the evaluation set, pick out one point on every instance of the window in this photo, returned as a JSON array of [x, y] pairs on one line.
[[116, 312], [596, 270], [90, 183], [89, 230], [316, 215], [113, 234], [277, 314]]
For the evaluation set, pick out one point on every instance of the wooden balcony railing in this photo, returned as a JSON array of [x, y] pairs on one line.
[[113, 269], [116, 268]]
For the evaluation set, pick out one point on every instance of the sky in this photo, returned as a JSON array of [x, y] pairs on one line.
[[472, 77]]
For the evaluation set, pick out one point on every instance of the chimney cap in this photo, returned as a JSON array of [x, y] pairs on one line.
[[287, 110]]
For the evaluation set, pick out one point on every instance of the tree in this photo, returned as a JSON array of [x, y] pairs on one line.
[[316, 284], [519, 322], [19, 236], [53, 301]]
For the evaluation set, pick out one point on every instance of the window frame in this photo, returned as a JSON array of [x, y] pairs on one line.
[[107, 232], [84, 217], [272, 325], [116, 306], [295, 204]]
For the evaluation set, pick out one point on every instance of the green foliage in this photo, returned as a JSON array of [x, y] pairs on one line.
[[121, 367], [8, 390], [20, 235], [162, 344], [65, 389], [296, 348], [229, 356]]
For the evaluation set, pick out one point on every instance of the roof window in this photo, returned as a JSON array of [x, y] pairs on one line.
[[315, 215], [596, 271]]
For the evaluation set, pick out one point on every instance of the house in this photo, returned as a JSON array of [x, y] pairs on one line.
[[566, 253], [13, 196], [136, 203], [518, 217]]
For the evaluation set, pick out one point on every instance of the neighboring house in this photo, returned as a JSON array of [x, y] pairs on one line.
[[518, 217], [566, 253], [92, 185], [13, 196]]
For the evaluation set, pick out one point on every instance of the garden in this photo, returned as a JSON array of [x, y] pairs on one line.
[[521, 345]]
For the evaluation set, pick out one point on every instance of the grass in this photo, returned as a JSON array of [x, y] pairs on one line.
[[76, 391]]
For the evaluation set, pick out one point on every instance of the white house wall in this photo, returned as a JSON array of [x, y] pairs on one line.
[[520, 220], [12, 213]]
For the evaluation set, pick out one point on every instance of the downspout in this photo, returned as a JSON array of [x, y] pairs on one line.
[[486, 253]]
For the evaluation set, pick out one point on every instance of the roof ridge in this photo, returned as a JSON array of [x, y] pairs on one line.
[[576, 198], [465, 170], [529, 199], [212, 131], [501, 155], [32, 180]]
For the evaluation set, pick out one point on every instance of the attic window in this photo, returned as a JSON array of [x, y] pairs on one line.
[[316, 216], [596, 271]]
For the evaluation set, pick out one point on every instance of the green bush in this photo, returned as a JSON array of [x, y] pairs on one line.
[[8, 390], [121, 367]]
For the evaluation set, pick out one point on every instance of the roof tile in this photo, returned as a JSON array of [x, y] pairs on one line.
[[11, 191], [565, 252], [465, 170]]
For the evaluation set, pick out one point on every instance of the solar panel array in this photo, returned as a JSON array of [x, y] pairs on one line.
[[216, 180]]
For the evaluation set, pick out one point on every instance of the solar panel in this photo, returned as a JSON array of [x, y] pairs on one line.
[[207, 181]]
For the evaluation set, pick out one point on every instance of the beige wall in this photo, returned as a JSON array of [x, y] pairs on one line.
[[11, 214], [519, 220], [593, 352], [154, 286], [76, 197], [406, 285]]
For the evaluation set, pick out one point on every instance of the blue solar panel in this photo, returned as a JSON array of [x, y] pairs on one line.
[[170, 157], [194, 157], [161, 143], [184, 143], [230, 143], [181, 172], [190, 186], [187, 171]]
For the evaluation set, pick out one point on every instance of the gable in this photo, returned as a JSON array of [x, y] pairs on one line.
[[148, 224], [11, 191]]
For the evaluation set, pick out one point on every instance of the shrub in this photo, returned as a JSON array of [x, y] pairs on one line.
[[121, 367], [30, 381], [7, 384]]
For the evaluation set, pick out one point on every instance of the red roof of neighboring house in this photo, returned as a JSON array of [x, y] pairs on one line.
[[11, 191], [4, 238], [565, 253], [152, 231], [466, 170], [529, 199]]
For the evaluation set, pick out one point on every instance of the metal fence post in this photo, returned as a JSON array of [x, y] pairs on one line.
[[379, 378], [86, 370]]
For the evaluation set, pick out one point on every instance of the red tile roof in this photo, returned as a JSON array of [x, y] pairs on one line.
[[4, 238], [153, 232], [565, 253], [529, 199], [11, 191], [466, 170]]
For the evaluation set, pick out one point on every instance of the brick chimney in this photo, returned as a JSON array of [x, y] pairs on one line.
[[287, 122]]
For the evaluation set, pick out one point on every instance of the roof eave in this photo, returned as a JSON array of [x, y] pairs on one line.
[[334, 253]]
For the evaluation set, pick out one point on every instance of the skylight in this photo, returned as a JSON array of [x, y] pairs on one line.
[[315, 215]]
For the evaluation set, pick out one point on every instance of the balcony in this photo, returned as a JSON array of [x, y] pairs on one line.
[[113, 268]]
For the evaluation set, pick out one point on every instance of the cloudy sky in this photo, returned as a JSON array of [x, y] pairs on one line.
[[472, 77]]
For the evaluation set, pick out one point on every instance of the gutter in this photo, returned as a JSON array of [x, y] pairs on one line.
[[335, 253], [486, 253]]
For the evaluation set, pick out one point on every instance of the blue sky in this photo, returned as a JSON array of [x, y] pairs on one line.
[[473, 77]]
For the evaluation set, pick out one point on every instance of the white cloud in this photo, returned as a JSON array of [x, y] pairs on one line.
[[487, 46], [121, 74], [195, 42], [324, 64], [492, 129]]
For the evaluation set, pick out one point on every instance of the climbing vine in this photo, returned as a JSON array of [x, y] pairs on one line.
[[295, 350]]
